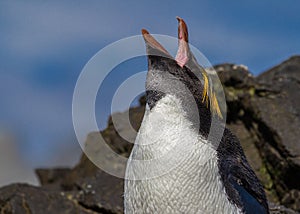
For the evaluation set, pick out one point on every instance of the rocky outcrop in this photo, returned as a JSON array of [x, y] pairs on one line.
[[23, 198], [263, 112]]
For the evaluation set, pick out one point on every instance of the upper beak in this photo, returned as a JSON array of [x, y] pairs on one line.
[[153, 46]]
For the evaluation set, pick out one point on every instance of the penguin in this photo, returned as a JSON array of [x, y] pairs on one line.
[[174, 166]]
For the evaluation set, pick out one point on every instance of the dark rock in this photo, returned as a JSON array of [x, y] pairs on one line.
[[119, 127], [236, 76], [22, 198], [278, 113], [264, 113], [51, 177], [98, 188], [292, 199], [278, 209]]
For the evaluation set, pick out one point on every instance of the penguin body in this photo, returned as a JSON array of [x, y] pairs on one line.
[[174, 166]]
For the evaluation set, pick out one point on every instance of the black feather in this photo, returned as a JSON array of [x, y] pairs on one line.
[[241, 184]]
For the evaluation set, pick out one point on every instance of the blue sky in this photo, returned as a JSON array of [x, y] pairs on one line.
[[45, 45]]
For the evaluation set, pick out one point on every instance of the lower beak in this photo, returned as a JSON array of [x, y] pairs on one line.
[[182, 56]]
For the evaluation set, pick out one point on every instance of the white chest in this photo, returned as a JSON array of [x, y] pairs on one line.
[[171, 169]]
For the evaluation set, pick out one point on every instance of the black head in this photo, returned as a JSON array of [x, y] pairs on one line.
[[166, 76]]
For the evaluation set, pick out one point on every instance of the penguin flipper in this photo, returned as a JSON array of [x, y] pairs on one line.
[[246, 189], [241, 184]]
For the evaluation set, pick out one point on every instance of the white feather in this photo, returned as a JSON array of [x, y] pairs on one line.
[[171, 168]]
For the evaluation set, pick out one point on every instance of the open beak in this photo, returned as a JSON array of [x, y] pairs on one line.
[[183, 53]]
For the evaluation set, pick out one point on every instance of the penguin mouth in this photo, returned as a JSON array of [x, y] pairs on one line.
[[185, 60], [182, 56]]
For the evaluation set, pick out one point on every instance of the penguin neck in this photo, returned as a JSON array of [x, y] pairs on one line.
[[199, 115], [167, 137], [167, 120]]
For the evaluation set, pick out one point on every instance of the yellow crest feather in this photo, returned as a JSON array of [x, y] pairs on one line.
[[205, 89], [209, 95]]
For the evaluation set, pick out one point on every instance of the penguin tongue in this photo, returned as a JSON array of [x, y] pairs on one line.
[[182, 56], [152, 45]]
